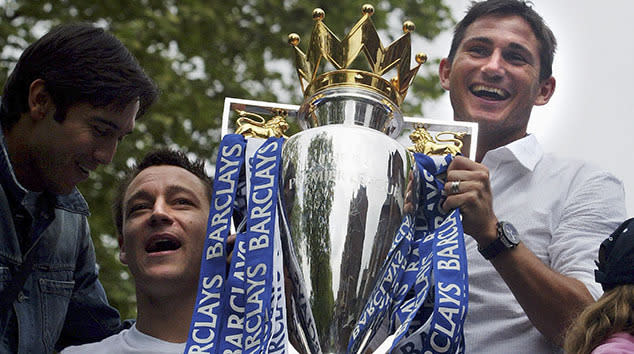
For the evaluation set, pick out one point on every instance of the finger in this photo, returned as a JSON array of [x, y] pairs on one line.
[[462, 163], [458, 186], [231, 240]]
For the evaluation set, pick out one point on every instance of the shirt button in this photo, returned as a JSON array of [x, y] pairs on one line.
[[22, 297]]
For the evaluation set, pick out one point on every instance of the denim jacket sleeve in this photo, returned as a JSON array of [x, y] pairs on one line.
[[89, 317]]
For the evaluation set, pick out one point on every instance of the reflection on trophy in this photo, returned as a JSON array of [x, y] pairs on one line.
[[345, 177]]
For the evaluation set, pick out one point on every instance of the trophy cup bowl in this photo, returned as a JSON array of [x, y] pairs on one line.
[[343, 190]]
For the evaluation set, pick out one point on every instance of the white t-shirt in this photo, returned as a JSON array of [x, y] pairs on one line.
[[128, 341], [563, 210]]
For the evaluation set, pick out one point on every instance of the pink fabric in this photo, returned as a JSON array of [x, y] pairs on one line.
[[619, 343]]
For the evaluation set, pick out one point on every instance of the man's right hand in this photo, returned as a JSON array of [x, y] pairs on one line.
[[473, 197]]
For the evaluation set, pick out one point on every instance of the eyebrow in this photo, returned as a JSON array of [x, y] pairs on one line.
[[110, 124], [171, 190], [142, 194], [175, 189], [486, 40]]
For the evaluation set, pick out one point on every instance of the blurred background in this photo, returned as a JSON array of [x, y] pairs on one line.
[[200, 52]]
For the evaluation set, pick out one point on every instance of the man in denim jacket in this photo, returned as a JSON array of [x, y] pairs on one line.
[[73, 95]]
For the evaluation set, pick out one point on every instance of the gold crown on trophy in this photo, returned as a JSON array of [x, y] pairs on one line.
[[363, 37]]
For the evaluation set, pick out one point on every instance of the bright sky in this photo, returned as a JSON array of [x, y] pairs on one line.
[[591, 115]]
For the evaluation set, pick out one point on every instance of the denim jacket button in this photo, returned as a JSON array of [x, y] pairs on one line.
[[22, 297]]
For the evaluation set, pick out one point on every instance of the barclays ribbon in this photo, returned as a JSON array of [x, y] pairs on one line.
[[261, 225], [385, 288], [258, 250], [440, 330], [434, 259], [204, 329], [245, 311], [234, 300], [242, 311]]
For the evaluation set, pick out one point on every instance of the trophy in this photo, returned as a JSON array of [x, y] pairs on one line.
[[347, 178]]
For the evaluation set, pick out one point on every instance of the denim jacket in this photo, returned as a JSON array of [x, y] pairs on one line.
[[62, 301]]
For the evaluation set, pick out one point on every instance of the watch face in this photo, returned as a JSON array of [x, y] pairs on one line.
[[511, 233]]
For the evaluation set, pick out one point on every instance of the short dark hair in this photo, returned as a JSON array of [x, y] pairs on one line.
[[523, 9], [79, 63], [160, 157]]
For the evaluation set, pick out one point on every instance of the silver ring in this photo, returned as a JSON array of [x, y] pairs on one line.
[[455, 187]]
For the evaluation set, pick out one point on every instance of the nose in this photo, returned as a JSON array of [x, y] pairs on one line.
[[160, 214], [104, 153], [494, 66]]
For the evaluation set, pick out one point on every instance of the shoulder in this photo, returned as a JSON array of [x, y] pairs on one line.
[[73, 203], [577, 173], [619, 343], [110, 344]]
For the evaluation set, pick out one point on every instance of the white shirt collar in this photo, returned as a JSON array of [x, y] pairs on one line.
[[525, 151]]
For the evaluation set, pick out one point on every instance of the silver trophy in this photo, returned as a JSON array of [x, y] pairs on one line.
[[344, 183], [347, 181]]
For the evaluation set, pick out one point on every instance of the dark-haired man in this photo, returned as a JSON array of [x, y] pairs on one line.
[[161, 214], [72, 96], [535, 221]]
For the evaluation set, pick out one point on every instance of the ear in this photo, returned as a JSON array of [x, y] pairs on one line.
[[546, 90], [444, 71], [40, 101], [122, 254]]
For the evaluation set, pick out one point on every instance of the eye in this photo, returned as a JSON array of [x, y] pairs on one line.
[[477, 50], [100, 131], [184, 201], [136, 207], [516, 58]]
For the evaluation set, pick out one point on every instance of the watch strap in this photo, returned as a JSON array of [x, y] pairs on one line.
[[497, 246]]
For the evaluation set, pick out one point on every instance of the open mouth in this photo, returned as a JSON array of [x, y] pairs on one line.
[[162, 244], [489, 93]]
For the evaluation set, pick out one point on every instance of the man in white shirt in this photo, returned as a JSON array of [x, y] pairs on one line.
[[161, 214], [534, 222]]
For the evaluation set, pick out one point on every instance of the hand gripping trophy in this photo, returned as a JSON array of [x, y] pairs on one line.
[[355, 255]]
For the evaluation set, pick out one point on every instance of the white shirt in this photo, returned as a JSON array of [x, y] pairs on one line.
[[128, 341], [563, 210]]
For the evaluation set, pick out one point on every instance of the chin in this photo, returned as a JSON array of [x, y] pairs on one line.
[[61, 190]]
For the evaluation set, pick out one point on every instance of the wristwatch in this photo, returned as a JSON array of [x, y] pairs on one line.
[[508, 238]]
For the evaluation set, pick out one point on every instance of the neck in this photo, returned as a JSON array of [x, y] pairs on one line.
[[167, 318], [18, 149], [488, 142]]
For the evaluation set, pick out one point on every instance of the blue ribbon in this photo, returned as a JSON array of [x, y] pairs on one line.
[[261, 224], [234, 301], [244, 312], [436, 252], [205, 329]]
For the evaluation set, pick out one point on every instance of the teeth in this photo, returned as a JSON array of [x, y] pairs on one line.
[[164, 244], [489, 91]]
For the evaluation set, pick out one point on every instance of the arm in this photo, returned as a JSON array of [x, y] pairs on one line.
[[550, 299], [89, 317]]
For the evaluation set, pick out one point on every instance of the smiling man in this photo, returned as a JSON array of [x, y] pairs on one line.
[[161, 212], [72, 96], [535, 221]]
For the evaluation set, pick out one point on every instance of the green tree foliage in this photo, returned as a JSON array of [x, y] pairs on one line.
[[200, 52]]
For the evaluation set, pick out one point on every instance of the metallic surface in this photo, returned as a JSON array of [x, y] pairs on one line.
[[253, 125], [427, 144], [343, 189], [351, 106], [342, 54]]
